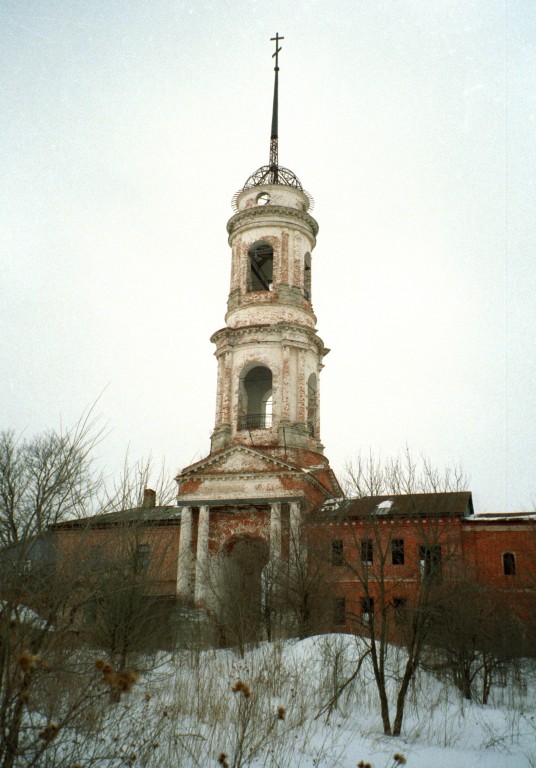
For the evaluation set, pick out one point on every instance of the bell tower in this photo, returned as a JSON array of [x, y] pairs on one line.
[[269, 355], [266, 458]]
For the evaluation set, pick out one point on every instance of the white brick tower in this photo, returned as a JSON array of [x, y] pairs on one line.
[[266, 461]]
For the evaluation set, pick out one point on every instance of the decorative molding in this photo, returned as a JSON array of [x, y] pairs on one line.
[[252, 215]]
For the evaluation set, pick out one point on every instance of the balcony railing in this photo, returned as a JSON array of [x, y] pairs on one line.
[[255, 421]]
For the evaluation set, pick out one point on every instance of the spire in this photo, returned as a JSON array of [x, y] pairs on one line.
[[273, 173], [274, 160]]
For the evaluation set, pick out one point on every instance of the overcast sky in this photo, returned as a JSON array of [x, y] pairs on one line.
[[127, 126]]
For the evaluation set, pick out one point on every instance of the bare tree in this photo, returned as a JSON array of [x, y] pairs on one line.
[[49, 681], [476, 639], [304, 590], [371, 548]]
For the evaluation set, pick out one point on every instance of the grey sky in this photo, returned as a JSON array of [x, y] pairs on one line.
[[126, 128]]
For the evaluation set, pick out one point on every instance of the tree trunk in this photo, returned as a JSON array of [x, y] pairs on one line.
[[401, 698]]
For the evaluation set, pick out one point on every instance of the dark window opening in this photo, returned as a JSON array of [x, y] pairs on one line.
[[400, 608], [430, 562], [142, 558], [367, 610], [339, 611], [95, 558], [366, 552], [337, 552], [509, 564], [307, 276], [261, 266], [90, 613], [397, 551]]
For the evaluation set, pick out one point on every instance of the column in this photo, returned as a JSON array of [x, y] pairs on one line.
[[285, 384], [275, 533], [219, 393], [184, 566], [295, 545], [201, 565]]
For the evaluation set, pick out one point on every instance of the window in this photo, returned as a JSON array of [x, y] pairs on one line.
[[312, 399], [509, 564], [95, 558], [367, 610], [260, 271], [142, 558], [90, 612], [400, 608], [307, 276], [397, 551], [430, 562], [337, 552], [339, 611], [366, 552]]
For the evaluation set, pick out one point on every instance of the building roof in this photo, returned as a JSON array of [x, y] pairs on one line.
[[136, 515], [451, 504]]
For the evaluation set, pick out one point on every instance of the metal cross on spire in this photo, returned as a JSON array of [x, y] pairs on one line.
[[273, 173], [277, 39], [274, 160]]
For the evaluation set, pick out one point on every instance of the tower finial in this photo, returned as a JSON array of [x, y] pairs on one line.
[[273, 173], [274, 160]]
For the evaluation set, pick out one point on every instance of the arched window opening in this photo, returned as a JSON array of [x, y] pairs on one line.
[[257, 399], [509, 564], [260, 267], [307, 276], [312, 400]]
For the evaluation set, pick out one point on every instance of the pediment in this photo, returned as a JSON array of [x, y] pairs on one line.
[[237, 460]]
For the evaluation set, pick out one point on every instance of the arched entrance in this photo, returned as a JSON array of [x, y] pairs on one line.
[[242, 562]]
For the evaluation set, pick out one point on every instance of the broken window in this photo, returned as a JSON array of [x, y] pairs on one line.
[[260, 267], [367, 610], [366, 552], [337, 552], [400, 608], [142, 558], [509, 564], [430, 562], [397, 551], [339, 611], [257, 400]]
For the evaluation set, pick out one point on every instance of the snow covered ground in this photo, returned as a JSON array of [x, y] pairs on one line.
[[185, 713]]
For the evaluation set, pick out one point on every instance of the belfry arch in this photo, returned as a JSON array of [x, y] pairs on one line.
[[256, 398], [260, 275]]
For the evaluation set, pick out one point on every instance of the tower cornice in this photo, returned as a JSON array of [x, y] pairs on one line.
[[271, 214], [291, 334]]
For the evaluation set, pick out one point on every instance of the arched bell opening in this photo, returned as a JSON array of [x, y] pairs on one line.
[[256, 399], [260, 267]]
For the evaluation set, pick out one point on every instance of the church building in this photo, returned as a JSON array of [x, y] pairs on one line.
[[264, 507]]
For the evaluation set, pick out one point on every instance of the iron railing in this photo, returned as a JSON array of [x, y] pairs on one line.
[[255, 421]]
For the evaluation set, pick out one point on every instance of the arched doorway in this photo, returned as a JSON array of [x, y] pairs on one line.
[[242, 562]]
